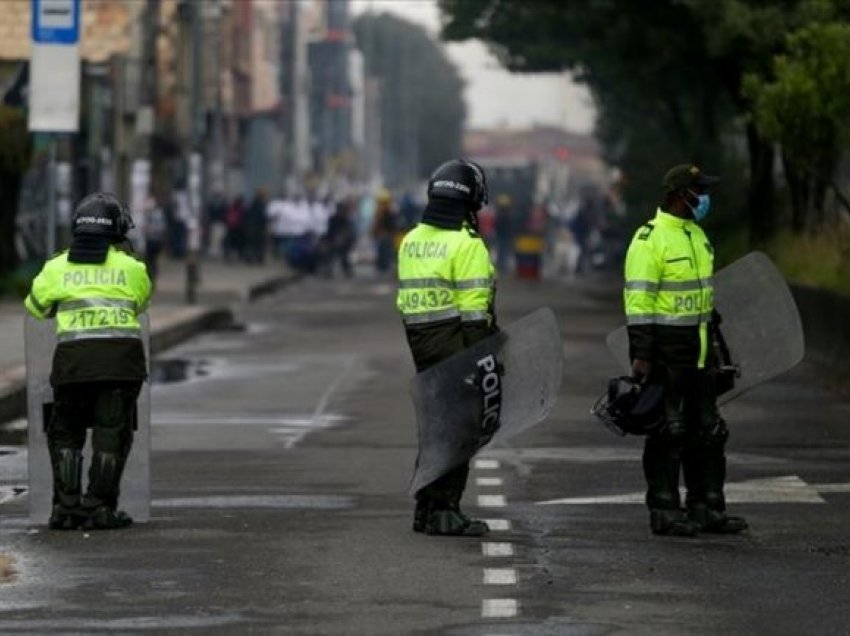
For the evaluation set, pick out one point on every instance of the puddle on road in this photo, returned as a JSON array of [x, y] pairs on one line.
[[8, 574], [178, 370], [13, 434], [315, 502], [10, 493]]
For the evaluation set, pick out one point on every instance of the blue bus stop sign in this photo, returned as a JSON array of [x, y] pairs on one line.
[[56, 21]]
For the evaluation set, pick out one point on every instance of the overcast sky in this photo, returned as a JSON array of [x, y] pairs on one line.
[[494, 96]]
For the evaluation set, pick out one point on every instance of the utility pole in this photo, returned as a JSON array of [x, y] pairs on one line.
[[220, 162], [195, 162], [140, 180], [51, 196]]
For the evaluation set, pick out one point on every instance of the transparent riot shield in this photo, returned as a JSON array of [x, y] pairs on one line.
[[761, 324], [487, 393], [135, 484]]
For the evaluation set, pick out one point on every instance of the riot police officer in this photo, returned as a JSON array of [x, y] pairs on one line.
[[669, 303], [96, 291], [445, 296]]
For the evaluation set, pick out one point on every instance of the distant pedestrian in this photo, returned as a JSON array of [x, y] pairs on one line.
[[256, 228], [155, 229], [300, 253], [280, 223], [581, 226], [216, 227], [178, 222], [408, 210], [341, 237], [235, 238], [384, 227], [505, 229]]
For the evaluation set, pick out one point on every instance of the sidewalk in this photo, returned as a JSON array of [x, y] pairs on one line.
[[172, 320]]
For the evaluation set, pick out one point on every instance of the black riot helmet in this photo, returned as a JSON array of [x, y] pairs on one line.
[[459, 180], [101, 215], [456, 191], [631, 407]]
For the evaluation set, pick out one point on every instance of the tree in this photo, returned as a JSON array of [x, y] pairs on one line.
[[15, 155], [805, 108], [421, 103], [667, 73]]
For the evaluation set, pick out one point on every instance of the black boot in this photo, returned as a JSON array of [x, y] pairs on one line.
[[101, 498], [105, 518], [672, 523], [450, 522], [715, 521], [420, 514], [67, 474], [705, 477]]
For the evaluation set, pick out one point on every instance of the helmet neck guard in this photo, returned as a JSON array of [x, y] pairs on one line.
[[446, 214], [88, 249]]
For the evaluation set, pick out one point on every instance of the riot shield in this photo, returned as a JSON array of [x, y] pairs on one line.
[[487, 393], [761, 324], [135, 485]]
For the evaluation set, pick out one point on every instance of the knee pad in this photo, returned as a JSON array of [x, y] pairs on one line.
[[713, 436], [674, 432]]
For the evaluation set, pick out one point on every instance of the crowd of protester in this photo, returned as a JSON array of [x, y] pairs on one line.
[[324, 235], [311, 233]]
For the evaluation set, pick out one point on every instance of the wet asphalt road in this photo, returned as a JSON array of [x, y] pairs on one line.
[[280, 470]]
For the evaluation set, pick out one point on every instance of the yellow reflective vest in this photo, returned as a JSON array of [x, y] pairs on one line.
[[92, 301], [444, 275], [669, 289]]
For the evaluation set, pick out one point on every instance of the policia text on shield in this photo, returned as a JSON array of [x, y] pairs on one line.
[[669, 304], [96, 291]]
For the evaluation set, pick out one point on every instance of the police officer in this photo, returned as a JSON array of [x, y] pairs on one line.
[[669, 309], [96, 291], [445, 296]]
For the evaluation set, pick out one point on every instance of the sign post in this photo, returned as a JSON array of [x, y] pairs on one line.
[[54, 104]]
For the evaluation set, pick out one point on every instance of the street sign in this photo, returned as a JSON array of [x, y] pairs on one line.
[[56, 21], [54, 103]]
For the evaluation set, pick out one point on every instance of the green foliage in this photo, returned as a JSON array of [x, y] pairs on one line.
[[422, 108], [15, 142], [668, 77], [661, 98], [806, 106]]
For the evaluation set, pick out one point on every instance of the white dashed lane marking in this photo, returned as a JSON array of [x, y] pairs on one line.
[[500, 576], [491, 501], [499, 608], [496, 607], [497, 549], [499, 525]]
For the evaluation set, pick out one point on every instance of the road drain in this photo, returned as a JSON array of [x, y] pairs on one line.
[[7, 571], [178, 370]]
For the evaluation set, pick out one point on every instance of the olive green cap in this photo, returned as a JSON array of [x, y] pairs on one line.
[[685, 176]]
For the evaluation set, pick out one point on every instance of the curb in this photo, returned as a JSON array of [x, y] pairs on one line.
[[186, 323], [270, 286]]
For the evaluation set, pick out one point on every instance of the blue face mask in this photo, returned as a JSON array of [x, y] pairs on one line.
[[702, 208]]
